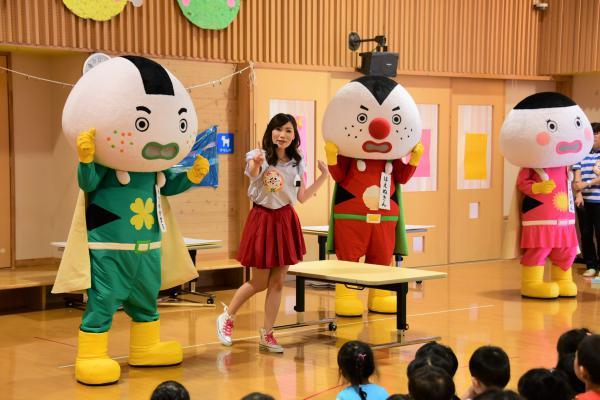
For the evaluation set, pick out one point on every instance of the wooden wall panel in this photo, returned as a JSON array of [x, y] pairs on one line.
[[6, 170], [460, 37], [570, 42], [204, 212]]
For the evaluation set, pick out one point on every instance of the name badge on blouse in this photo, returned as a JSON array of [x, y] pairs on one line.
[[384, 191], [297, 181], [570, 193], [159, 213]]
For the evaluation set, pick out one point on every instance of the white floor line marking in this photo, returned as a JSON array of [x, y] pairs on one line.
[[308, 328]]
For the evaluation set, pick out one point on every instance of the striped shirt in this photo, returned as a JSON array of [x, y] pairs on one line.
[[587, 166]]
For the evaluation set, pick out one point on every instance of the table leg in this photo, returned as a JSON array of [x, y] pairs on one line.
[[398, 258], [300, 307], [322, 240], [187, 288], [401, 290]]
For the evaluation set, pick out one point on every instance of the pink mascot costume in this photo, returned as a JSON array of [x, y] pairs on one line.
[[544, 134]]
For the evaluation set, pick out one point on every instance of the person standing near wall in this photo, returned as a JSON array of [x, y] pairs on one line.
[[587, 186]]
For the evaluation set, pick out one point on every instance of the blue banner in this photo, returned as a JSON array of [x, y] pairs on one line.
[[206, 146]]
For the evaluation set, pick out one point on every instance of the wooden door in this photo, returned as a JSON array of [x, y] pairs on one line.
[[6, 253], [429, 205], [476, 167]]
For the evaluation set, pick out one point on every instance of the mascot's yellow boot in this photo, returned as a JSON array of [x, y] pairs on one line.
[[347, 303], [146, 349], [564, 279], [382, 301], [533, 285], [93, 366]]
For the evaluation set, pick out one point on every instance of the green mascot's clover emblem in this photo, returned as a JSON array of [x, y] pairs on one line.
[[210, 14]]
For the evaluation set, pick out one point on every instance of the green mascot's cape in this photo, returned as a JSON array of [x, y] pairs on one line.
[[74, 273], [401, 246]]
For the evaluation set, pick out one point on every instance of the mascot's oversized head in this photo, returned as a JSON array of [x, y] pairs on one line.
[[546, 130], [374, 118], [144, 118]]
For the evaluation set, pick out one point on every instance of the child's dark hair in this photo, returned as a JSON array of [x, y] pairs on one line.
[[440, 350], [429, 360], [491, 366], [430, 383], [257, 396], [588, 356], [291, 151], [568, 341], [357, 363], [595, 127], [543, 384], [566, 365], [170, 390], [497, 394]]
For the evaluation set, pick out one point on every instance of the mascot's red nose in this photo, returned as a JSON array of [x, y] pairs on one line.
[[379, 128]]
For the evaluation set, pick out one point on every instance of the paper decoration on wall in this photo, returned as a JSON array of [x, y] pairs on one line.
[[304, 113], [94, 60], [205, 145], [98, 10], [210, 14], [474, 151], [475, 156], [425, 177]]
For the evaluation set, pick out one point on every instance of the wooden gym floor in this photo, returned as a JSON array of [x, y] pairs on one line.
[[478, 304]]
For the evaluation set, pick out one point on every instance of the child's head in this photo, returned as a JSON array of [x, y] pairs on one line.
[[544, 384], [429, 360], [257, 396], [566, 365], [282, 131], [497, 394], [596, 130], [170, 390], [490, 368], [430, 383], [440, 350], [356, 362], [587, 360], [568, 341]]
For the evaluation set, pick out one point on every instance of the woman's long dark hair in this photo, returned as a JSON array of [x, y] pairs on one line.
[[291, 151], [357, 363]]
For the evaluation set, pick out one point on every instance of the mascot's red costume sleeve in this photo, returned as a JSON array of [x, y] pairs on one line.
[[544, 134], [371, 123]]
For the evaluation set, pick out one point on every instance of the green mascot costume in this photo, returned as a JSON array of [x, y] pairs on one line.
[[130, 120]]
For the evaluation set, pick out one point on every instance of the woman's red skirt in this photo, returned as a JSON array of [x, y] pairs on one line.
[[271, 238]]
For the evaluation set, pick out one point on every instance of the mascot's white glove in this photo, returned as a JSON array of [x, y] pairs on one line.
[[86, 146], [198, 170]]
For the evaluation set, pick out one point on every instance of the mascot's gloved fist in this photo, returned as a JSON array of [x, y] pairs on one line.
[[198, 170], [331, 152], [416, 154], [544, 187], [86, 146]]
